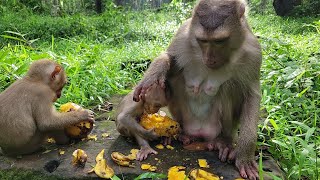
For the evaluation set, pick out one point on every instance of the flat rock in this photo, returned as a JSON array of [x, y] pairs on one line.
[[50, 163]]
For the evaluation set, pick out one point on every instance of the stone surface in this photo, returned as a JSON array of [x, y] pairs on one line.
[[60, 165]]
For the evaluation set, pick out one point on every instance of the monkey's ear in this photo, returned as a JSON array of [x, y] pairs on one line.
[[241, 10], [55, 72]]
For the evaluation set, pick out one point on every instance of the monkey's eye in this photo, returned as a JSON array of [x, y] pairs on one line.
[[202, 41], [220, 41]]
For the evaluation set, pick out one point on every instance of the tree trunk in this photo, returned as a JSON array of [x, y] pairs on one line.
[[98, 6], [284, 7]]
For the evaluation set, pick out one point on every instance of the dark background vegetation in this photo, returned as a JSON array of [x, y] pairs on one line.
[[106, 45]]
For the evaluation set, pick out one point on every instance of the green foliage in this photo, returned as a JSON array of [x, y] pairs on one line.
[[151, 175], [107, 54]]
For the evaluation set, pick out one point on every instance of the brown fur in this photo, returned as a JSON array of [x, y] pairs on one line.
[[213, 71], [27, 114], [129, 113]]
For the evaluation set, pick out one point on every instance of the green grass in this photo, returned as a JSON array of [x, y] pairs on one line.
[[98, 54]]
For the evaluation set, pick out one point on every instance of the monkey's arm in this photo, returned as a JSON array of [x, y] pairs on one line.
[[246, 144], [156, 73], [47, 118], [127, 122]]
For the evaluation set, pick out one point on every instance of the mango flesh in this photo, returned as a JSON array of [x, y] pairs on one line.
[[162, 125], [79, 130]]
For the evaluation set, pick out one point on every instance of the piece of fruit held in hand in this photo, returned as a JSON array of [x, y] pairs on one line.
[[162, 124], [79, 130]]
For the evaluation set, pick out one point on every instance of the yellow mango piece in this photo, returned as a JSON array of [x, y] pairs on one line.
[[101, 168], [79, 157], [203, 163], [133, 154], [145, 166], [169, 147], [78, 130], [203, 175], [159, 146], [177, 173], [162, 125], [92, 137], [121, 159]]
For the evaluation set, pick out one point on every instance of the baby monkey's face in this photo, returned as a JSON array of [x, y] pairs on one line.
[[155, 98]]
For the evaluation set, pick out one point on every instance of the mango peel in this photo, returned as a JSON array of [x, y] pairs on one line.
[[101, 168]]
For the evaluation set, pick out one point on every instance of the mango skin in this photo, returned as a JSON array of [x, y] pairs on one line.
[[162, 125], [79, 130]]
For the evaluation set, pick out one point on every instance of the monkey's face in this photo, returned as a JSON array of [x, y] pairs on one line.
[[152, 104], [58, 82], [216, 31], [214, 54]]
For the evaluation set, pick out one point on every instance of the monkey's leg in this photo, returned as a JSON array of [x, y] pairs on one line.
[[59, 136], [145, 149], [31, 146]]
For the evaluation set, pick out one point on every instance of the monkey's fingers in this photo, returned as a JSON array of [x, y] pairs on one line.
[[223, 153], [166, 140], [247, 170], [137, 92], [232, 156]]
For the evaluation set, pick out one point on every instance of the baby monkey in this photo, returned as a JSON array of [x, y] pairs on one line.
[[130, 112]]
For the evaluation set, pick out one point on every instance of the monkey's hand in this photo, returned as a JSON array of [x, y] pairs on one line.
[[86, 114], [144, 152], [166, 140], [248, 168], [145, 84]]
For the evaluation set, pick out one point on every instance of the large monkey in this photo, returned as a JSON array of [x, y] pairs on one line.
[[27, 114], [213, 67]]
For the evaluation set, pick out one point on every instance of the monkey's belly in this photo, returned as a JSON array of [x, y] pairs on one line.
[[208, 130]]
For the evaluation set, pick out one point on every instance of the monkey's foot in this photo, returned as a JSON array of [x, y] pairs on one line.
[[185, 139], [166, 140], [248, 169], [144, 152], [226, 150]]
